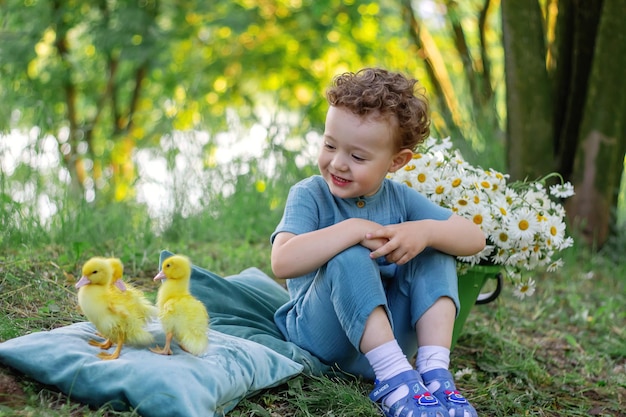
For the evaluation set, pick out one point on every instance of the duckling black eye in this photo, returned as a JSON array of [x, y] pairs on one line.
[[95, 271]]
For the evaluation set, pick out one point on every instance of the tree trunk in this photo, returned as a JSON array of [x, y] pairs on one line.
[[530, 148], [577, 27], [600, 155]]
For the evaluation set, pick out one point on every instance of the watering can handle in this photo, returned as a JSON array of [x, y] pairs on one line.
[[487, 297]]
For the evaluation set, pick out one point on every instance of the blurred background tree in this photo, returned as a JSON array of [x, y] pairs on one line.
[[565, 98], [526, 87]]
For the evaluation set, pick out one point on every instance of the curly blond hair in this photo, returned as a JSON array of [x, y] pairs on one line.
[[391, 94]]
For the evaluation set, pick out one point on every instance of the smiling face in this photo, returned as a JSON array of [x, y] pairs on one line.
[[357, 152]]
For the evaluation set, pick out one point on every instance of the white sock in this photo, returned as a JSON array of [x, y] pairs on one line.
[[387, 361], [432, 357]]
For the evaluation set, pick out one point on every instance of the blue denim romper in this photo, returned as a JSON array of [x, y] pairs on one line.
[[328, 307]]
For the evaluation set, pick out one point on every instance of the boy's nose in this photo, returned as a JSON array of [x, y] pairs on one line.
[[339, 163]]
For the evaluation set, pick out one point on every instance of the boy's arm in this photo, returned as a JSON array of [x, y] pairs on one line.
[[456, 236], [296, 255]]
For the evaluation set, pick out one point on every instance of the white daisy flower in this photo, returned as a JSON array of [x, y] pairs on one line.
[[555, 265], [525, 289], [555, 230], [523, 225], [502, 237], [562, 190], [567, 243], [466, 373]]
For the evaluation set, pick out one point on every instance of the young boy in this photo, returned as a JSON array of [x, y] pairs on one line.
[[369, 261]]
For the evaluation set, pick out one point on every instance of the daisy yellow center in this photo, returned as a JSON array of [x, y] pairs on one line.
[[440, 189], [553, 230], [503, 237], [523, 225], [417, 156], [407, 182], [478, 219], [409, 167], [456, 182], [421, 177], [462, 202], [503, 211], [485, 184], [524, 288], [476, 199]]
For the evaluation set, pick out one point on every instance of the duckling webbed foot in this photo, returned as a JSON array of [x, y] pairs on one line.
[[116, 354], [166, 350], [102, 345], [161, 351]]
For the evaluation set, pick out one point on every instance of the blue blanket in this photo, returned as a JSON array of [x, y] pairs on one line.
[[246, 354]]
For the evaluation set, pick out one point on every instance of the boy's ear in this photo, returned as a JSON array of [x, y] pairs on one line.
[[400, 159]]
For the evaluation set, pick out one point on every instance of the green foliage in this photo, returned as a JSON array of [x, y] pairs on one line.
[[101, 80]]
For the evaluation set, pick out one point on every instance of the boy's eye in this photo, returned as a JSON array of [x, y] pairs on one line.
[[329, 146], [358, 158]]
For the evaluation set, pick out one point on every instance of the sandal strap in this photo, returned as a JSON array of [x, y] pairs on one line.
[[384, 388], [442, 375], [447, 392]]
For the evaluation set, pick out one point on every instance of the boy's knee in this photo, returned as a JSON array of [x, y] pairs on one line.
[[435, 261], [351, 257]]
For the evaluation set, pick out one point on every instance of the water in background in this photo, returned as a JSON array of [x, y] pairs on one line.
[[161, 184]]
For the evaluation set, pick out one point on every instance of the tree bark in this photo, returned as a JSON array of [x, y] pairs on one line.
[[529, 103], [600, 156], [577, 26]]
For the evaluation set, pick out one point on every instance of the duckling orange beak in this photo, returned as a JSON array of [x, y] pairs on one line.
[[160, 276], [82, 282]]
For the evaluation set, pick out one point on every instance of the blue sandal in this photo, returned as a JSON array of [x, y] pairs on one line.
[[419, 401], [447, 393]]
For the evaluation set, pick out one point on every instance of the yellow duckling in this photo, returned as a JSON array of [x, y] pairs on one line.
[[118, 318], [133, 296], [183, 317]]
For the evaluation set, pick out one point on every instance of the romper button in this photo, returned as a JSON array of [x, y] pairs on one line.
[[360, 204]]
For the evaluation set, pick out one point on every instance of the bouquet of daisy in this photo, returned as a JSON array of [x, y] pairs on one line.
[[522, 221]]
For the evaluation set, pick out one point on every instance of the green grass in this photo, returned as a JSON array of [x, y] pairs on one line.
[[560, 353]]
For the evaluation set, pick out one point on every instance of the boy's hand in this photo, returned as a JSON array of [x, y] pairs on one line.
[[374, 244], [404, 241]]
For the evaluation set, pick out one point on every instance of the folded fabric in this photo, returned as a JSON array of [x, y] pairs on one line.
[[246, 353]]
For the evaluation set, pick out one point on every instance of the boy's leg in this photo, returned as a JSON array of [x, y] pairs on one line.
[[330, 320], [428, 288], [426, 281]]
